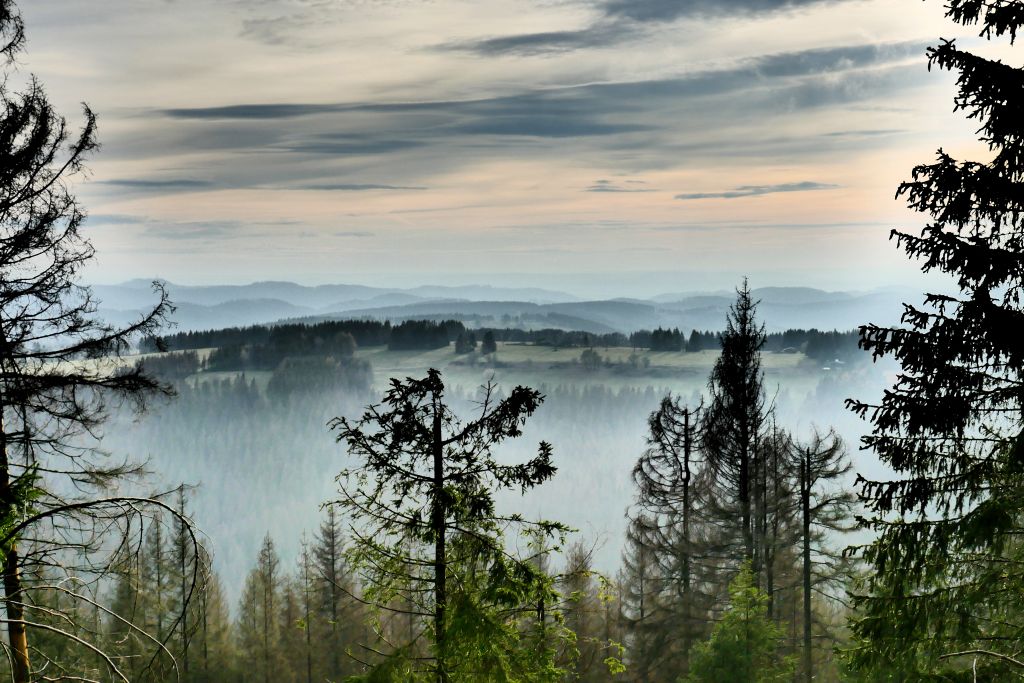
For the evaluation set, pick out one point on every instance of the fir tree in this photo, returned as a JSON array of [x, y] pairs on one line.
[[944, 591]]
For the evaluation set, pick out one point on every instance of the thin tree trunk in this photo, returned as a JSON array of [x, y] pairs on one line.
[[309, 625], [745, 488], [13, 591], [206, 634], [182, 560], [687, 595], [335, 599], [438, 524], [805, 503]]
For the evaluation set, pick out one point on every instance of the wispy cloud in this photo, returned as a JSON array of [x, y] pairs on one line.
[[609, 186], [672, 10], [600, 35], [158, 184], [621, 21], [759, 190], [357, 187]]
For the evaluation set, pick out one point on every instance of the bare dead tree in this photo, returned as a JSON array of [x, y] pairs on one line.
[[61, 372]]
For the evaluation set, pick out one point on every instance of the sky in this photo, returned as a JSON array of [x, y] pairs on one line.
[[616, 144]]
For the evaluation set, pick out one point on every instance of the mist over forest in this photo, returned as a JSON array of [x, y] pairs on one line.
[[232, 422], [657, 455]]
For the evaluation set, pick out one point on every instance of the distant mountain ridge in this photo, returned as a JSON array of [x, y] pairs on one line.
[[780, 308]]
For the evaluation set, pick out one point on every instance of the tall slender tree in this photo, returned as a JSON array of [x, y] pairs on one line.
[[59, 368], [734, 424], [944, 593], [826, 511], [668, 478], [425, 526]]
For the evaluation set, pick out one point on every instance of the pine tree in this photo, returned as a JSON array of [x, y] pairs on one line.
[[259, 617], [944, 590], [54, 393], [641, 581], [734, 424], [336, 618], [669, 477], [744, 645], [156, 586], [426, 529], [826, 510]]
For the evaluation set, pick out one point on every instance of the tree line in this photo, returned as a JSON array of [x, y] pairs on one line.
[[730, 537]]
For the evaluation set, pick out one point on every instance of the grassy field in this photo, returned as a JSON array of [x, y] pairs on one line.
[[545, 366], [539, 366]]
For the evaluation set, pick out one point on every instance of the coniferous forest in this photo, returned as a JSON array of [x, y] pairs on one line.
[[427, 498]]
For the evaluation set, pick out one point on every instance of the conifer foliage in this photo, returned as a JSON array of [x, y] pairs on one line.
[[944, 593], [428, 541]]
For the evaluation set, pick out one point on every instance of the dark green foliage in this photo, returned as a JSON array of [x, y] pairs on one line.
[[364, 332], [423, 335], [744, 645], [733, 426], [318, 375], [172, 367], [465, 342], [704, 341], [590, 359], [295, 342], [667, 340], [947, 561], [488, 345], [427, 538]]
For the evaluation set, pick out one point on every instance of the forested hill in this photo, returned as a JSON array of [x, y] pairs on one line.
[[481, 306]]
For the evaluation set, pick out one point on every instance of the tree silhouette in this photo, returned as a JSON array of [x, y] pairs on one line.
[[59, 367], [426, 532], [744, 645], [733, 426], [944, 590]]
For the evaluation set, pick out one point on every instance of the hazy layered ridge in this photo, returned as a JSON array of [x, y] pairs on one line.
[[532, 308], [235, 438]]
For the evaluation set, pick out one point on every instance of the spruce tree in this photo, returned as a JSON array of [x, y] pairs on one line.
[[944, 593], [744, 645], [425, 529], [734, 424], [669, 477]]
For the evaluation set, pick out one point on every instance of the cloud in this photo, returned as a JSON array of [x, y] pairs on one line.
[[629, 126], [621, 21], [219, 230], [759, 190], [608, 186], [357, 187], [865, 133], [542, 126], [158, 184], [326, 145], [672, 10], [252, 111], [600, 35], [95, 219]]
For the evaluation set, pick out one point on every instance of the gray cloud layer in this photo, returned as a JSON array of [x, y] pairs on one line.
[[634, 126], [671, 10], [758, 190], [622, 21]]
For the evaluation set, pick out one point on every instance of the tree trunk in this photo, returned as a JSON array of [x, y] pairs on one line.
[[687, 594], [183, 561], [16, 615], [805, 503], [309, 624], [438, 524], [12, 577], [744, 491]]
